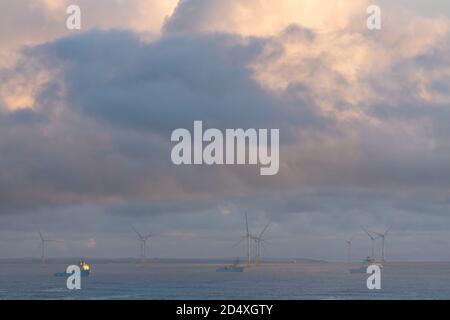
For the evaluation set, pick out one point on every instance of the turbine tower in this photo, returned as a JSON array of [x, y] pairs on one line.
[[383, 238], [258, 241], [349, 248], [248, 237], [143, 239], [372, 238], [43, 242]]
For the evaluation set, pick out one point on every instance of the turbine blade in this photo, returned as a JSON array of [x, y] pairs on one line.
[[239, 242], [369, 234], [387, 231], [246, 223], [264, 230], [137, 232], [380, 235]]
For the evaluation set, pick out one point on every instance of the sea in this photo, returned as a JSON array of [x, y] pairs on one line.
[[190, 280]]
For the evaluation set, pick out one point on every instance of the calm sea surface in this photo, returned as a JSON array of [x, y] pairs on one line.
[[306, 280]]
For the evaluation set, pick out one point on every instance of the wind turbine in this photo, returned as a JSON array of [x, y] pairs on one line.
[[349, 253], [258, 241], [143, 239], [255, 248], [43, 242], [383, 238], [248, 237], [373, 242]]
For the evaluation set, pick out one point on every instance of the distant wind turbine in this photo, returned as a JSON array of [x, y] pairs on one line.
[[248, 237], [258, 241], [143, 240], [373, 238], [250, 240], [383, 238], [43, 242]]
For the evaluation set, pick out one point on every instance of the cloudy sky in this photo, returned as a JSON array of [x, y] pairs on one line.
[[86, 118]]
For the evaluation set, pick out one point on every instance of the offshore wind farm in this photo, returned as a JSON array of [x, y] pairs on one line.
[[254, 244], [147, 277], [253, 273]]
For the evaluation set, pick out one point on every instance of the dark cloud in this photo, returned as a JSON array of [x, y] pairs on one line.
[[102, 123], [106, 138], [165, 85]]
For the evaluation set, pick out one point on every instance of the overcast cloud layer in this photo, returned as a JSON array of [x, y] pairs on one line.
[[86, 118]]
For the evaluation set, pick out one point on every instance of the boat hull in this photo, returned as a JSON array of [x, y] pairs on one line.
[[358, 270], [84, 273], [228, 269]]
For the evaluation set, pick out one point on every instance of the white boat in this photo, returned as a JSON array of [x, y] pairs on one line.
[[85, 269], [231, 268], [365, 264]]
